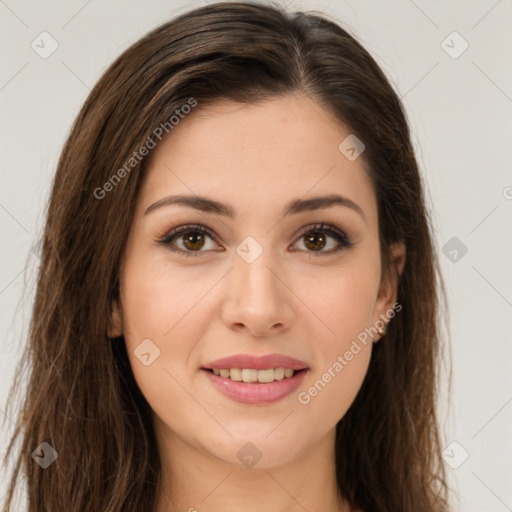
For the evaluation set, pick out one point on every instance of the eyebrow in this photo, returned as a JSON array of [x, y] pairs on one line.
[[295, 206]]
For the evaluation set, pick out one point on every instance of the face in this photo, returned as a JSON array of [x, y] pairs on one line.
[[268, 285]]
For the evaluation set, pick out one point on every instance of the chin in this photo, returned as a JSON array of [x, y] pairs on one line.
[[259, 451]]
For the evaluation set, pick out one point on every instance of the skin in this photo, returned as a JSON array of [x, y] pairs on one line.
[[291, 300]]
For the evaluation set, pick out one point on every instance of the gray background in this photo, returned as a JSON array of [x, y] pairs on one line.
[[459, 110]]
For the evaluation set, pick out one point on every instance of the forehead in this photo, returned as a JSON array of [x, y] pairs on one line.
[[249, 155]]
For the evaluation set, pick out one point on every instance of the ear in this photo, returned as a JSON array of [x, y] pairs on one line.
[[388, 290], [115, 328]]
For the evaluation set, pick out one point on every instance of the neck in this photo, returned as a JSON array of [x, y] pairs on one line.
[[194, 480]]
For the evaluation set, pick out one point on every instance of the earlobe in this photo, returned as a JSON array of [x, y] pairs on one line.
[[115, 328]]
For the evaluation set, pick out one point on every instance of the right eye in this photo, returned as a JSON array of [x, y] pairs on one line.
[[192, 237]]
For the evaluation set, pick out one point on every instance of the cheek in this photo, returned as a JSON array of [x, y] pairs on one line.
[[345, 303], [331, 390], [342, 359], [167, 307], [158, 297], [157, 312], [344, 300]]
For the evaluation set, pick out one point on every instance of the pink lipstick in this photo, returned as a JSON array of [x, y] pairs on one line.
[[254, 379]]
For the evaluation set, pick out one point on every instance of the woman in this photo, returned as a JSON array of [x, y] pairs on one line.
[[237, 303]]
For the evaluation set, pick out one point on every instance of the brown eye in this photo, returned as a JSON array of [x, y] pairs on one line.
[[193, 241], [316, 239], [189, 240]]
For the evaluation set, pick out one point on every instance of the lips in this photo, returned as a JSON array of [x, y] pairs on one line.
[[256, 391], [256, 362]]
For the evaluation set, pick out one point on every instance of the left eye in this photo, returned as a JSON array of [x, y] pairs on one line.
[[315, 238], [193, 239]]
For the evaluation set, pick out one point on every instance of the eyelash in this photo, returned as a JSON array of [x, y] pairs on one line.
[[339, 236]]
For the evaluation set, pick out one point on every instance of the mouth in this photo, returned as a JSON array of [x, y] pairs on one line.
[[255, 392], [256, 379]]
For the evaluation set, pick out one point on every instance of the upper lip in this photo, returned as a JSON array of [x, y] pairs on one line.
[[256, 362]]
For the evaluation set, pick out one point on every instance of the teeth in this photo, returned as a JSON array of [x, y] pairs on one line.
[[235, 374], [279, 374], [251, 375], [266, 375]]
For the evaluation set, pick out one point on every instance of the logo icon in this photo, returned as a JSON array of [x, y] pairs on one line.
[[44, 455], [249, 249], [146, 352], [454, 45], [351, 147], [44, 45], [455, 455], [454, 249], [249, 455]]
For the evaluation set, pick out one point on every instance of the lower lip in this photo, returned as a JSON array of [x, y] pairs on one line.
[[257, 393]]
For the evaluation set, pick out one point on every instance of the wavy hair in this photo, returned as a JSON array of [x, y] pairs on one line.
[[81, 396]]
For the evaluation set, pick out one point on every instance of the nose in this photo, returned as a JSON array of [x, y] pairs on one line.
[[259, 299]]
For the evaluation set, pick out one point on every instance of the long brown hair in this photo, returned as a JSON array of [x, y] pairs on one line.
[[82, 398]]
